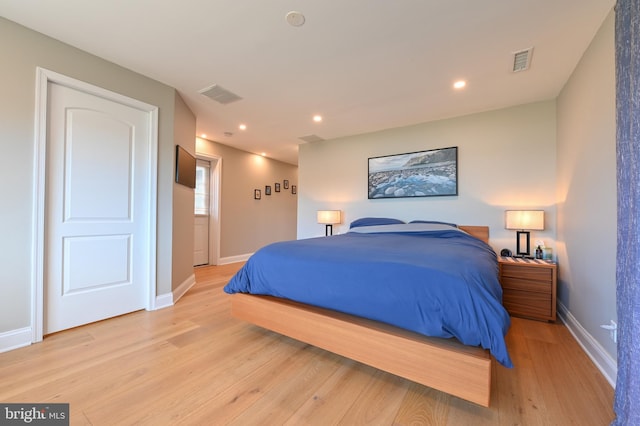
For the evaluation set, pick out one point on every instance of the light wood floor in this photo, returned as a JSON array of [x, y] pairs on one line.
[[193, 364]]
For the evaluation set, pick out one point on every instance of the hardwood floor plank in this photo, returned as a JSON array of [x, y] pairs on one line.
[[194, 364], [518, 390], [66, 361], [204, 396], [569, 373], [379, 402], [287, 389], [423, 406], [248, 375], [333, 399], [195, 374]]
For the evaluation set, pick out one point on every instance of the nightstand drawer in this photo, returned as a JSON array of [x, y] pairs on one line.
[[509, 284], [527, 273], [527, 304]]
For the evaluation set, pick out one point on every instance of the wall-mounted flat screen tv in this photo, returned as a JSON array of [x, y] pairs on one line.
[[185, 167]]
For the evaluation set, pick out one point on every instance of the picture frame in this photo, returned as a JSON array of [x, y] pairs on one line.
[[257, 194], [267, 190], [285, 183], [294, 189], [277, 187], [429, 173]]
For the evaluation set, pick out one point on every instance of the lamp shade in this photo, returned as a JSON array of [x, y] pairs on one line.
[[329, 217], [524, 219]]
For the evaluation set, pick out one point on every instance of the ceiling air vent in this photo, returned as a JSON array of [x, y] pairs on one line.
[[522, 59], [219, 94], [311, 138]]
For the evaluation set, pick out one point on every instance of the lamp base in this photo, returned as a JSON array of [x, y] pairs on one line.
[[523, 238], [328, 230]]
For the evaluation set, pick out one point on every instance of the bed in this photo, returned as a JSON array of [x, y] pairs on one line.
[[419, 300]]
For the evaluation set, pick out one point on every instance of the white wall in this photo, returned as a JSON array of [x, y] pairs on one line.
[[506, 159], [586, 191]]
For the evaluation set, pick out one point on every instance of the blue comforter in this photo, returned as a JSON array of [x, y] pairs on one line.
[[441, 282]]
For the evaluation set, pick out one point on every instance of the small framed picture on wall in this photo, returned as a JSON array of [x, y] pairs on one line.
[[277, 186], [256, 194], [294, 189], [285, 183], [267, 190]]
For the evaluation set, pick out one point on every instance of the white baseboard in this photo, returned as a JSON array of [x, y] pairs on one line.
[[183, 288], [14, 339], [234, 259], [163, 301], [594, 350], [169, 299]]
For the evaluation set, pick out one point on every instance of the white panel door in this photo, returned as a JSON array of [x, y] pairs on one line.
[[201, 240], [201, 210], [97, 209]]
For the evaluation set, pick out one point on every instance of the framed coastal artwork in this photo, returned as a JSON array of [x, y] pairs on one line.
[[429, 173]]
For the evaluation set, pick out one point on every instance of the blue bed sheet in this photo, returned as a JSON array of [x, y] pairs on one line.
[[441, 283]]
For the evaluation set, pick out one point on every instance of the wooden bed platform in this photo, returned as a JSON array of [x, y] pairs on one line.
[[443, 364]]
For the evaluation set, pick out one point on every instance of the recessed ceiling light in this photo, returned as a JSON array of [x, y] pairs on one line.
[[459, 84], [204, 135], [264, 154], [242, 127], [317, 118]]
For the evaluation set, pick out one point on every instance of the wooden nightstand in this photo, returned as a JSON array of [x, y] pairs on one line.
[[529, 287]]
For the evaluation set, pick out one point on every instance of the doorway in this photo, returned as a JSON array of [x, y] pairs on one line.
[[206, 239]]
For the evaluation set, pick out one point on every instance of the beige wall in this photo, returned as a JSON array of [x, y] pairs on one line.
[[22, 50], [586, 190], [247, 224], [506, 159], [183, 200]]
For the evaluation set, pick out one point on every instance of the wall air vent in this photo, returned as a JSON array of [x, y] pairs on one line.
[[219, 94], [311, 138], [522, 59]]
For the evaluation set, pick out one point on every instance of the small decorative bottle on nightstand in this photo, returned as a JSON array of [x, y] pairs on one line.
[[529, 287]]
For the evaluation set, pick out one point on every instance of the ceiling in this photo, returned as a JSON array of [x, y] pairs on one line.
[[363, 65]]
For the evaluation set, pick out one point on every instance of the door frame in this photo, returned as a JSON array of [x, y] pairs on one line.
[[215, 176], [43, 78]]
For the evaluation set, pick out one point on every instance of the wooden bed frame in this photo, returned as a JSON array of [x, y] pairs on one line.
[[443, 364]]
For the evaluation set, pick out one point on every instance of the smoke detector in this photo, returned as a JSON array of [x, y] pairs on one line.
[[295, 19], [522, 59]]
